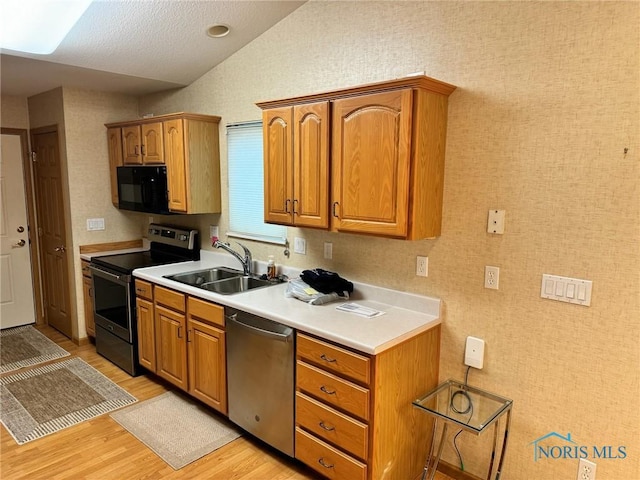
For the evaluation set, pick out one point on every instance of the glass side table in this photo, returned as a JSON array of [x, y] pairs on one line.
[[470, 409]]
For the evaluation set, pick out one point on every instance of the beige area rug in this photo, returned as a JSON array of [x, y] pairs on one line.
[[25, 346], [179, 430], [44, 400]]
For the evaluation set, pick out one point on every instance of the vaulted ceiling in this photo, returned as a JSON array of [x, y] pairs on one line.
[[139, 47]]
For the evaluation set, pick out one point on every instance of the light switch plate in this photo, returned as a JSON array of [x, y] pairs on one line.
[[566, 289], [95, 224]]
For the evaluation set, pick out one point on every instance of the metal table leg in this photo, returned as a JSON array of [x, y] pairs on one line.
[[504, 444], [436, 460]]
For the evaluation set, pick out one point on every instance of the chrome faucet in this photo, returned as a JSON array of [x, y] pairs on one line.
[[246, 261]]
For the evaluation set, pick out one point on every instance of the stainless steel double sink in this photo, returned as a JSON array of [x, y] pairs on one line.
[[223, 280]]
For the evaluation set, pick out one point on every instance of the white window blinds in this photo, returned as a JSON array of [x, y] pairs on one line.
[[246, 185]]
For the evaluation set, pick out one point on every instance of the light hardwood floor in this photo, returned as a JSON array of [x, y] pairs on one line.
[[101, 449]]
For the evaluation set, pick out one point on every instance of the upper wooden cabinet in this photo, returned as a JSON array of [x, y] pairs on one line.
[[386, 165], [142, 144], [114, 145], [296, 167], [189, 146]]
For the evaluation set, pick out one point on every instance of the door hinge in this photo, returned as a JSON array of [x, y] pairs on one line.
[[34, 156]]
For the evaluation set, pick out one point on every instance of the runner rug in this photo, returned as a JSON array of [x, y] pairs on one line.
[[44, 400], [177, 429], [25, 346]]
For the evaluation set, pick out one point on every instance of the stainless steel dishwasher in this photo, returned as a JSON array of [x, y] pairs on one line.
[[260, 377]]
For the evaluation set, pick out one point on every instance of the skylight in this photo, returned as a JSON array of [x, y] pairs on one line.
[[38, 26]]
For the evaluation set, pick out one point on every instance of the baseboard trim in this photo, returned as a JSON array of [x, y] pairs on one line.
[[454, 472]]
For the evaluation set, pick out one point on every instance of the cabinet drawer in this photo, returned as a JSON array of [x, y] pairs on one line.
[[206, 312], [335, 359], [333, 390], [327, 460], [144, 289], [332, 426], [169, 298]]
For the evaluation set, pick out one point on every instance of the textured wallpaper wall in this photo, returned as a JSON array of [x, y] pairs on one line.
[[547, 102], [13, 112], [85, 114], [80, 116]]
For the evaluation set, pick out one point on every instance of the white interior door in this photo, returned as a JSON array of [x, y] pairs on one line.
[[16, 287]]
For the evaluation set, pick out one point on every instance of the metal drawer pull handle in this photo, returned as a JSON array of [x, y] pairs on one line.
[[325, 465], [327, 391], [327, 359], [140, 290], [328, 429]]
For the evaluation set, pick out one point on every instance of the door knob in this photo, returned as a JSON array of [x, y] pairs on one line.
[[20, 229], [21, 243], [60, 249]]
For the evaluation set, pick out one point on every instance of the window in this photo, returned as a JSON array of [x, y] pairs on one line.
[[246, 186]]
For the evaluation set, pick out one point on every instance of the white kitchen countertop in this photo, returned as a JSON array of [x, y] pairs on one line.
[[405, 314]]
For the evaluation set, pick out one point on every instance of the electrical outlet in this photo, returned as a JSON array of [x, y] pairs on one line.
[[299, 245], [328, 250], [422, 266], [586, 470], [491, 277]]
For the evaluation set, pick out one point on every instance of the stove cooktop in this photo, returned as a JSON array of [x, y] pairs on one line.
[[127, 262]]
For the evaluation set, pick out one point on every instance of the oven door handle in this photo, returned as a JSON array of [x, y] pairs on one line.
[[124, 279]]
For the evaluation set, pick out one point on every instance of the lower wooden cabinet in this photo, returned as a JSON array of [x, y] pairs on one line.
[[87, 291], [327, 460], [171, 346], [182, 339], [171, 336], [146, 334], [207, 353], [354, 416]]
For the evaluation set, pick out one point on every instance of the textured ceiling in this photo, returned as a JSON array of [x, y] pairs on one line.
[[139, 47]]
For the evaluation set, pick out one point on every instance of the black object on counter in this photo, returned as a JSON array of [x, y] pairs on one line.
[[325, 281]]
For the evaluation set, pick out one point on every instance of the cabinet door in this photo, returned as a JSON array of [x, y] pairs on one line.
[[146, 334], [171, 346], [152, 147], [131, 145], [371, 145], [176, 164], [311, 165], [114, 143], [278, 165], [89, 322], [207, 365]]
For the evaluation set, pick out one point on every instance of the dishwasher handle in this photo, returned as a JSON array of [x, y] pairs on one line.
[[265, 332]]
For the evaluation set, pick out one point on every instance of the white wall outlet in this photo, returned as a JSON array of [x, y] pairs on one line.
[[299, 245], [422, 266], [586, 470], [491, 277], [474, 352], [328, 250], [495, 222]]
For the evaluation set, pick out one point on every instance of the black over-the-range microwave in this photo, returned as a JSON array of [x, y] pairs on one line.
[[143, 189]]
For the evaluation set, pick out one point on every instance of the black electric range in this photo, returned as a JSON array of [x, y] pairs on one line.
[[114, 290]]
